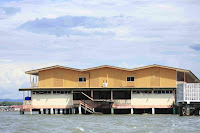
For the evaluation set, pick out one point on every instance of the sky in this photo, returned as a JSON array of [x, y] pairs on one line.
[[89, 33]]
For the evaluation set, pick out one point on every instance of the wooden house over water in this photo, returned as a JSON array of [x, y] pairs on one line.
[[104, 89]]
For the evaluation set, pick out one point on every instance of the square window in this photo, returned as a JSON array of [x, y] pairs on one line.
[[80, 79], [130, 79]]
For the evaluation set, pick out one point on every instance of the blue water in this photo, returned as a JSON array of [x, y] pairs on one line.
[[12, 122]]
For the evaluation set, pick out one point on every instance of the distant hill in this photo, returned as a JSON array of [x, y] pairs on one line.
[[11, 100]]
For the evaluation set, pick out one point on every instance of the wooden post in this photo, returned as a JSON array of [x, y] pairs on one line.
[[91, 93], [51, 111], [188, 110], [112, 110], [79, 109], [111, 92], [132, 111], [153, 111]]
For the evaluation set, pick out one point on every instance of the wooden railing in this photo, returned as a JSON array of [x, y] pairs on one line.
[[87, 107], [34, 85]]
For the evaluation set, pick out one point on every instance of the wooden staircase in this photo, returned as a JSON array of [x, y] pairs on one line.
[[88, 107]]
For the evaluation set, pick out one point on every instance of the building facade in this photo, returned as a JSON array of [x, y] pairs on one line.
[[105, 89]]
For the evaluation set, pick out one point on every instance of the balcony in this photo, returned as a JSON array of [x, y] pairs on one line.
[[34, 85]]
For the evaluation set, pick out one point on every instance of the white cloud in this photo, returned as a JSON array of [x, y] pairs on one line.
[[137, 33], [5, 60]]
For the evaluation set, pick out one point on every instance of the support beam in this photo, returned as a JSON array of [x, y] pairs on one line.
[[188, 110], [51, 111], [174, 110], [79, 110], [91, 93], [61, 111], [132, 111], [111, 92], [153, 111], [21, 112], [112, 110], [41, 110]]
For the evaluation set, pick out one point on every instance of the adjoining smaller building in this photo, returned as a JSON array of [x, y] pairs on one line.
[[104, 89], [188, 99]]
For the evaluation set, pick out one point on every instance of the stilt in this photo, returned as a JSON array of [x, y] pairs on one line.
[[31, 112], [79, 110], [188, 110], [153, 111], [51, 111], [56, 111], [73, 110], [44, 111], [181, 110], [132, 111], [61, 111], [112, 110], [21, 112], [41, 110], [174, 110]]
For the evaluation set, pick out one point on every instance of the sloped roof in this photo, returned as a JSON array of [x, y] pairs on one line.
[[35, 72]]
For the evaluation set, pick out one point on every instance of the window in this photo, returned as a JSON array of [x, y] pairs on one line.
[[82, 79], [41, 92], [163, 91], [142, 92], [130, 79], [61, 92]]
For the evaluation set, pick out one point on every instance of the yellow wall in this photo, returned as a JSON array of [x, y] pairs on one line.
[[149, 77], [59, 77], [155, 77]]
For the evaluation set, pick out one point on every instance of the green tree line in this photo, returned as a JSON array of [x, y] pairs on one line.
[[6, 103]]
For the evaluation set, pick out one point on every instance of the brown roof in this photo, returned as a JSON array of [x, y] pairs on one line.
[[35, 72]]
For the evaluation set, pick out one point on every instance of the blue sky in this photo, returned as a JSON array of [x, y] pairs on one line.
[[88, 33]]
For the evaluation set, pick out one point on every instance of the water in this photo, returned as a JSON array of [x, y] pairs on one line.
[[15, 123]]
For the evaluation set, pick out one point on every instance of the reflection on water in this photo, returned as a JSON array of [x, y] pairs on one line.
[[13, 122]]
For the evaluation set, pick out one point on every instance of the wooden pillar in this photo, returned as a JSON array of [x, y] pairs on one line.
[[79, 110], [153, 111], [112, 110], [91, 93], [111, 92], [41, 110], [174, 110], [188, 110], [61, 111], [132, 111]]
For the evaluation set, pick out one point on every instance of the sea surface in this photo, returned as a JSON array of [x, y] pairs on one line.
[[13, 122]]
